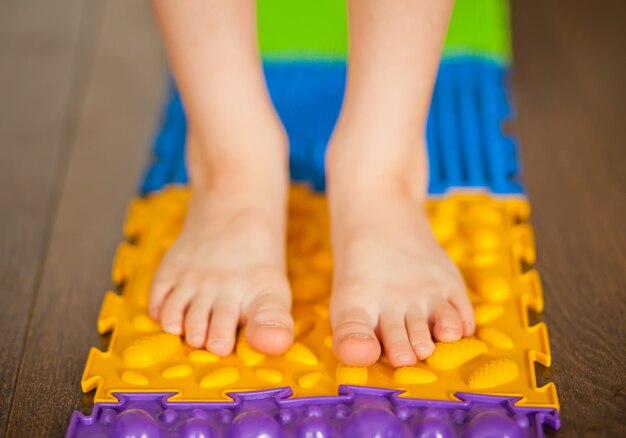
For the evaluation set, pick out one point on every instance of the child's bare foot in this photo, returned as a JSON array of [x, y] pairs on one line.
[[228, 265], [392, 279], [391, 276]]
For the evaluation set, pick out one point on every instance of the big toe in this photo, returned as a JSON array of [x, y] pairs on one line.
[[270, 326], [354, 340]]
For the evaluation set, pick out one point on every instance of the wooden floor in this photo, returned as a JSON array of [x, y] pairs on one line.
[[80, 87]]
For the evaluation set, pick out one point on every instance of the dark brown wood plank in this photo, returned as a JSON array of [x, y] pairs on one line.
[[116, 120], [568, 86], [42, 54], [568, 78]]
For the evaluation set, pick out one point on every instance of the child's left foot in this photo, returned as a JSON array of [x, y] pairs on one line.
[[392, 279]]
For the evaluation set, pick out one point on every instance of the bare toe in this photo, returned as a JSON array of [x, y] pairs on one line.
[[354, 341], [162, 284], [174, 307], [230, 253], [396, 340], [447, 324], [270, 326], [223, 328], [419, 334], [462, 304], [197, 321]]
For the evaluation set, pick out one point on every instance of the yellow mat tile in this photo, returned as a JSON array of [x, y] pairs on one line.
[[488, 238]]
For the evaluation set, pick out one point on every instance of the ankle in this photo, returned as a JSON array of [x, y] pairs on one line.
[[375, 187], [382, 170], [257, 165]]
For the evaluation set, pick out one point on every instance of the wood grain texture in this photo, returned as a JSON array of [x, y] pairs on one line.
[[63, 99], [569, 86], [42, 54], [117, 117]]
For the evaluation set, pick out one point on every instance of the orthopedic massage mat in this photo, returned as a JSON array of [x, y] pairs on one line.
[[151, 384]]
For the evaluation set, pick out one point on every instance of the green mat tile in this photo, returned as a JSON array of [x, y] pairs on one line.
[[311, 29], [480, 27], [316, 29]]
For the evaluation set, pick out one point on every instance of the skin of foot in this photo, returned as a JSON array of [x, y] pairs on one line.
[[393, 284], [227, 268]]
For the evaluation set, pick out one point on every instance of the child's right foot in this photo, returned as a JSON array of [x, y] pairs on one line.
[[228, 265]]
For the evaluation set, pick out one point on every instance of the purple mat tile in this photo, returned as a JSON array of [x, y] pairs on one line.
[[355, 412]]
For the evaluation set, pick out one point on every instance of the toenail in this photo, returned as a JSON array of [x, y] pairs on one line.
[[404, 357], [468, 326], [171, 328], [271, 324], [424, 346], [217, 344], [358, 336], [450, 328]]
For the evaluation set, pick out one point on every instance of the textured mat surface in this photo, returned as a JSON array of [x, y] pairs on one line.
[[317, 30], [357, 412], [466, 144], [489, 240], [149, 383], [304, 50]]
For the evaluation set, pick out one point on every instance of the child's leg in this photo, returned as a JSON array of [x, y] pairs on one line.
[[391, 275], [228, 265]]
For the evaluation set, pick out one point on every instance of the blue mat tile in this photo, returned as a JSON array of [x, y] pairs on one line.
[[466, 144]]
